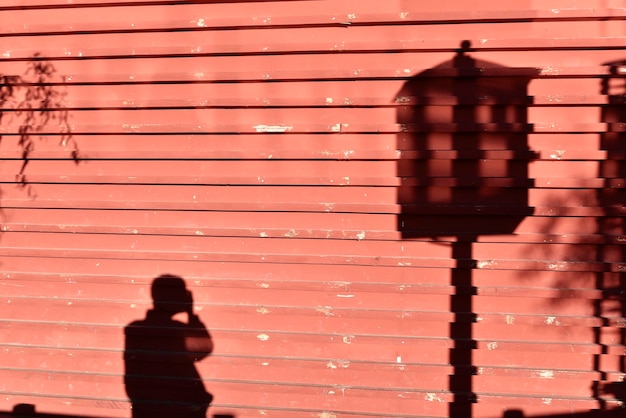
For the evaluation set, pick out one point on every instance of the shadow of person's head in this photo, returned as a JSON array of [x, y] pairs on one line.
[[170, 295]]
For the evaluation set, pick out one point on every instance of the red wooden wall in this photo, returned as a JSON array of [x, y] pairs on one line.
[[375, 218]]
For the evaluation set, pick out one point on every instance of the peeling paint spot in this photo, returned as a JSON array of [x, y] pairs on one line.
[[551, 320], [199, 233], [292, 233], [201, 23], [492, 346], [398, 359], [345, 296], [546, 401], [352, 16], [403, 99], [326, 310], [273, 128], [557, 155], [263, 337], [479, 319], [327, 415], [432, 397], [347, 339], [510, 319], [338, 364], [483, 41], [329, 100], [405, 264], [264, 286], [404, 15], [546, 374], [263, 235], [407, 71], [485, 263], [263, 310], [549, 70], [265, 363], [360, 236]]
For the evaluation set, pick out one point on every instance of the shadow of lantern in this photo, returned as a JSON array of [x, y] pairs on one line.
[[464, 174]]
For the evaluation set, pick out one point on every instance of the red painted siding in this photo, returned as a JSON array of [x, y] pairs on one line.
[[381, 208]]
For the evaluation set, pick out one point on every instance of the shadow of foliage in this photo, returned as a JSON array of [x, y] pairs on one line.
[[35, 101]]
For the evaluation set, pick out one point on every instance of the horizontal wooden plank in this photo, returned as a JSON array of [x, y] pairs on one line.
[[269, 319], [308, 346], [488, 122], [331, 371], [280, 13], [470, 173], [347, 126], [489, 406], [128, 70], [278, 225], [98, 272], [245, 198], [247, 99], [60, 382], [336, 38], [295, 146], [270, 171], [306, 251], [549, 293]]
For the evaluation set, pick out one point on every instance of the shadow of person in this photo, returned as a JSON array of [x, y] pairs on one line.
[[160, 354]]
